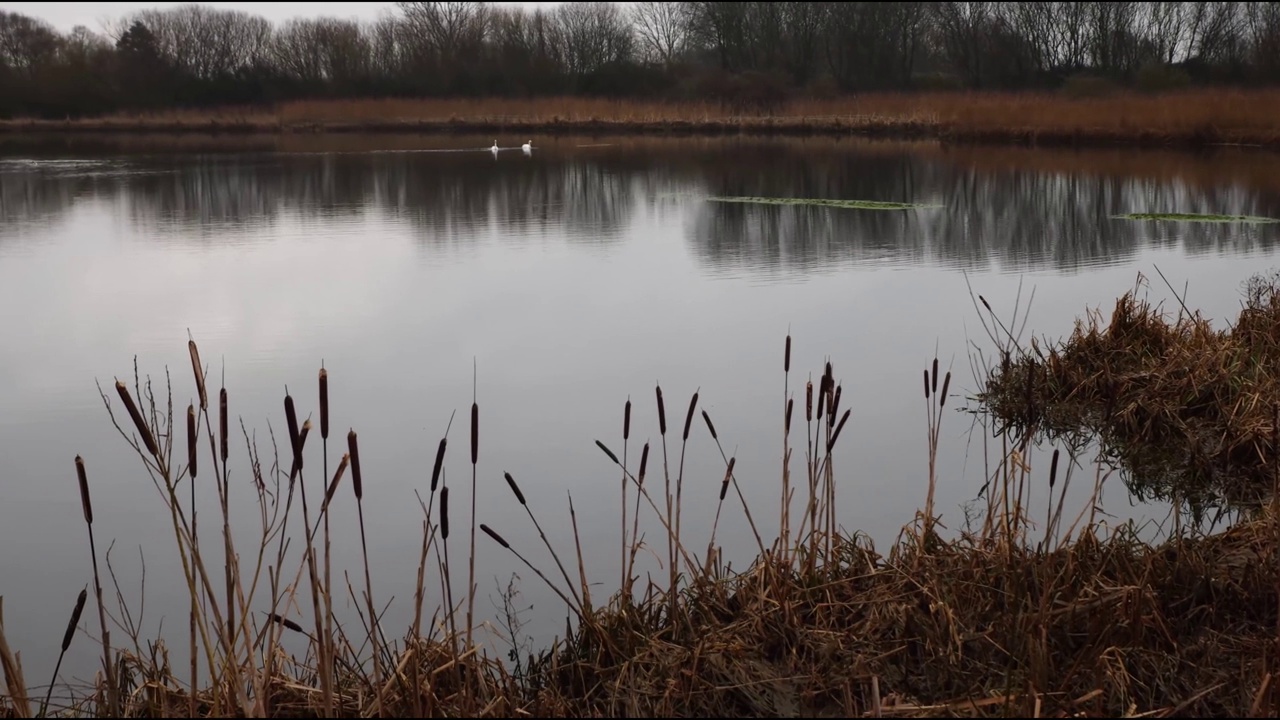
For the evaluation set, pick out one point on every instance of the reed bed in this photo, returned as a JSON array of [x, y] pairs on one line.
[[1002, 617], [1198, 117], [1192, 412]]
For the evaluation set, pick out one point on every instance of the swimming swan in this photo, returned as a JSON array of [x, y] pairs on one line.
[[495, 146], [527, 147]]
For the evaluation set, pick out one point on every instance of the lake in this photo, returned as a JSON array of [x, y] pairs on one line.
[[555, 285]]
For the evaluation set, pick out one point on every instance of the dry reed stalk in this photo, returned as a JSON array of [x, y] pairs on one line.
[[635, 519], [622, 547], [582, 571], [666, 476], [448, 582], [784, 521], [643, 492], [498, 539], [66, 643], [684, 442], [113, 699], [515, 490], [13, 678]]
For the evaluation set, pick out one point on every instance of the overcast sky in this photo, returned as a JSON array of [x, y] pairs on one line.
[[66, 15]]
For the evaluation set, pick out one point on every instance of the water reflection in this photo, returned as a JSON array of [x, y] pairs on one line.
[[1002, 210]]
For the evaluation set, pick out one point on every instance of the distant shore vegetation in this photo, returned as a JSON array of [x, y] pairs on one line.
[[745, 58]]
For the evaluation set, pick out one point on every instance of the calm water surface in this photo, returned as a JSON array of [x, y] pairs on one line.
[[569, 280]]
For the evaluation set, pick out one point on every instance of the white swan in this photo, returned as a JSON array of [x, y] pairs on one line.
[[527, 147], [495, 146]]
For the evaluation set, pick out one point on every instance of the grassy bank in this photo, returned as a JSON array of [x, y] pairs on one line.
[[1194, 118], [1010, 615]]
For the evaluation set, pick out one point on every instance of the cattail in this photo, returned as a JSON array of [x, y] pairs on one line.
[[138, 422], [626, 422], [84, 490], [496, 537], [198, 369], [926, 383], [222, 421], [822, 397], [662, 413], [836, 435], [608, 452], [191, 440], [75, 619], [511, 482], [710, 427], [337, 475], [946, 383], [291, 418], [787, 422], [835, 404], [1053, 469], [475, 433], [354, 451], [935, 375], [644, 463], [435, 469], [728, 473], [324, 404], [808, 401], [786, 357], [444, 512], [688, 419], [302, 437], [985, 304], [286, 622]]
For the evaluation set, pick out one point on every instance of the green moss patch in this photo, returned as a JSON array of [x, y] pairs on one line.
[[845, 204], [1193, 217]]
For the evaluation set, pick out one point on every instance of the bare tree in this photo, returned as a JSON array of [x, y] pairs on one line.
[[592, 35], [662, 30]]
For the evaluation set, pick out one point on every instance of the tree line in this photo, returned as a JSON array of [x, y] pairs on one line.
[[749, 54]]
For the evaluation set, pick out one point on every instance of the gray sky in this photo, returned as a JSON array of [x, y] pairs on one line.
[[66, 15]]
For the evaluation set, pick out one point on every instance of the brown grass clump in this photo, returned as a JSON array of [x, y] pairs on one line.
[[1002, 619], [1188, 410], [1195, 117]]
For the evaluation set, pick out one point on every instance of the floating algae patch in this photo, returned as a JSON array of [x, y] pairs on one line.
[[846, 204], [1193, 217]]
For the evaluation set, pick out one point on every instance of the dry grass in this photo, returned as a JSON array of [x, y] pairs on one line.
[[1193, 117], [1002, 618], [1190, 410]]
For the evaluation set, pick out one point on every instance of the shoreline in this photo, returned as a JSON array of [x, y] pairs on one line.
[[1082, 138], [1188, 120]]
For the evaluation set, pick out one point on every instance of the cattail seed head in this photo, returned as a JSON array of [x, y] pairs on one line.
[[444, 512], [787, 422], [836, 435], [222, 422], [286, 622], [688, 419], [511, 482], [822, 397], [496, 537], [662, 413], [608, 452], [475, 433], [935, 375], [626, 421], [946, 383], [75, 619], [337, 475], [83, 479], [191, 440], [435, 469], [926, 383], [835, 405], [644, 463], [808, 401], [1053, 469], [291, 417], [354, 450], [786, 357], [728, 475], [138, 422], [710, 427], [324, 404], [198, 369]]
